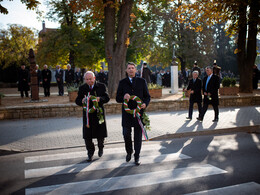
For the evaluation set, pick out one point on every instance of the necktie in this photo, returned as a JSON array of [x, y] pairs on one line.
[[90, 87], [207, 82]]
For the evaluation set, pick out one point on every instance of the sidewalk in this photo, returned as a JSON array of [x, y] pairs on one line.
[[54, 133]]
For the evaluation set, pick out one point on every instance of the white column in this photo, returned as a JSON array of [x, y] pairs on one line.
[[174, 79]]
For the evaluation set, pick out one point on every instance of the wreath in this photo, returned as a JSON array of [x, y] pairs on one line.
[[93, 108], [136, 113]]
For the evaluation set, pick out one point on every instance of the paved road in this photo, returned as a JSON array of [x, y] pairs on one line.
[[51, 133], [227, 164]]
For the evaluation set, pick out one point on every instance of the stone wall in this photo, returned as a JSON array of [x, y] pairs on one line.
[[65, 110]]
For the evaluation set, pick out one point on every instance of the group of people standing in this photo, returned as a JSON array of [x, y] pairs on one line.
[[44, 78], [92, 128], [209, 87]]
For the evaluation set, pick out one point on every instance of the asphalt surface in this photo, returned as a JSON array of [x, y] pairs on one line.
[[54, 133]]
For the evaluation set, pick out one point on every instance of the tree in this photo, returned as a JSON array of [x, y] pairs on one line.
[[242, 21], [30, 4], [15, 43]]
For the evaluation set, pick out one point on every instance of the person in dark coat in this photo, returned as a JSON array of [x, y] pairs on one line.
[[59, 78], [128, 86], [195, 67], [69, 75], [256, 76], [210, 92], [78, 77], [101, 76], [23, 81], [39, 75], [216, 69], [95, 129], [195, 93], [146, 73], [46, 80]]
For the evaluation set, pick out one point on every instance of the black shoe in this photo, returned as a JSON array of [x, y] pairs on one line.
[[189, 118], [199, 119], [128, 157], [100, 152], [90, 158], [215, 120], [137, 162]]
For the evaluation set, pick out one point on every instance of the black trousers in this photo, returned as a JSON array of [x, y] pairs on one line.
[[46, 91], [91, 147], [26, 93], [61, 88], [191, 108], [127, 133], [205, 108]]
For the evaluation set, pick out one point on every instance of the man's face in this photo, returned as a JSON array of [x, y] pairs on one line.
[[22, 67], [45, 67], [131, 70], [57, 67], [195, 75], [90, 80], [68, 67], [208, 71]]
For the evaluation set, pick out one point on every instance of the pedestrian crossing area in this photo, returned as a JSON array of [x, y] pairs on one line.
[[154, 156]]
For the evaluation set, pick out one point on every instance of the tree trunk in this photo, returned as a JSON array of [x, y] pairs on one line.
[[116, 49], [241, 44], [251, 43]]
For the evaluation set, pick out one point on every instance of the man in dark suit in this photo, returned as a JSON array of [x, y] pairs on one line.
[[46, 80], [23, 81], [210, 91], [39, 75], [69, 75], [132, 85], [195, 93], [195, 67], [95, 129], [59, 79]]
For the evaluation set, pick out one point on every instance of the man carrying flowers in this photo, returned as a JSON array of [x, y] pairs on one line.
[[91, 96], [130, 91]]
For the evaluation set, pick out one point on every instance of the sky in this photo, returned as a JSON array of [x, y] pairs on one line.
[[18, 14]]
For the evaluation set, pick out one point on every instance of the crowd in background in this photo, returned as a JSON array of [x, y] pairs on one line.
[[75, 77]]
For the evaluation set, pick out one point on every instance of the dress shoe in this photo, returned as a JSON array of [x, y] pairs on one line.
[[100, 152], [137, 162], [189, 118], [128, 157], [90, 158], [215, 120], [199, 119]]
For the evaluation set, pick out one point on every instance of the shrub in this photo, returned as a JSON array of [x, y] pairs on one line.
[[233, 82], [226, 82], [2, 95], [154, 86]]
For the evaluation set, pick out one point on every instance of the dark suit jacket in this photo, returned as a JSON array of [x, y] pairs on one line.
[[46, 78], [69, 76], [213, 86], [196, 87], [138, 88], [59, 75], [95, 130]]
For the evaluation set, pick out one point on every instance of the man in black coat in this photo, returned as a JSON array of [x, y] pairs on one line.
[[95, 129], [128, 86], [23, 81], [59, 78], [46, 80], [69, 75], [39, 75], [210, 91], [195, 93]]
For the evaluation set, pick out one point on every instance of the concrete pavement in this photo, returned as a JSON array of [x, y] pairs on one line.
[[54, 133]]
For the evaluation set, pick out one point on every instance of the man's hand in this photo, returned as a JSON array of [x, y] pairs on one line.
[[127, 96], [209, 94], [205, 93], [98, 99], [143, 106], [83, 100], [191, 91]]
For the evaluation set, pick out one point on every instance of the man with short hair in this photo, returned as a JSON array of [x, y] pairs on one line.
[[23, 81], [195, 93], [195, 67], [46, 80], [93, 128], [210, 92], [59, 79], [132, 85], [69, 75]]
